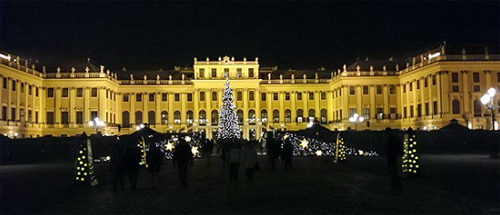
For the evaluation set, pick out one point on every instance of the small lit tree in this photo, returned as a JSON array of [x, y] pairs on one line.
[[84, 163], [228, 123], [410, 157]]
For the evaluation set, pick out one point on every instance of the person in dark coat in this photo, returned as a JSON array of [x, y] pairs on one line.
[[394, 151], [182, 156], [117, 167], [132, 159], [273, 148], [154, 159], [207, 150], [287, 154]]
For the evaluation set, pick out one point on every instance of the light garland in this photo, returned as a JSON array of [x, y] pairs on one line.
[[410, 157], [85, 164]]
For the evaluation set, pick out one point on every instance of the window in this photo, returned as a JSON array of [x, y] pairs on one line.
[[275, 96], [263, 96], [65, 92], [426, 82], [36, 117], [239, 114], [411, 111], [418, 84], [435, 107], [276, 116], [151, 118], [392, 89], [29, 90], [50, 92], [107, 93], [189, 97], [4, 113], [393, 112], [138, 117], [177, 97], [215, 117], [239, 96], [405, 112], [251, 73], [300, 115], [475, 77], [251, 117], [202, 73], [352, 111], [288, 116], [419, 110], [312, 114], [404, 88], [366, 113], [164, 117], [455, 106], [411, 86], [352, 90], [239, 72], [433, 80], [79, 117], [214, 73], [164, 97], [454, 77], [94, 92], [477, 88], [22, 88], [477, 107], [498, 105], [5, 82], [151, 97], [203, 117], [13, 114], [251, 96], [322, 95], [13, 85], [202, 96], [30, 116], [138, 97], [263, 114], [64, 117], [498, 76], [323, 116], [379, 90], [125, 97], [427, 109], [380, 113], [214, 96], [93, 115], [311, 96], [226, 72], [299, 96], [287, 96], [189, 117], [79, 92], [365, 90], [454, 88], [36, 91], [50, 118]]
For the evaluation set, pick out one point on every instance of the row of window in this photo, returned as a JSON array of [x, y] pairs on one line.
[[31, 88], [239, 72], [352, 90], [475, 77], [79, 93], [21, 115], [410, 85]]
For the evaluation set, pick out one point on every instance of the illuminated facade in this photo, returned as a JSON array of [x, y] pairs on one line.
[[425, 92]]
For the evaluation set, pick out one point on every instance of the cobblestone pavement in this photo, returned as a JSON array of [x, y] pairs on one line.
[[316, 185]]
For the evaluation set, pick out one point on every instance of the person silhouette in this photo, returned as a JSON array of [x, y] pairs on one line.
[[394, 150], [182, 157]]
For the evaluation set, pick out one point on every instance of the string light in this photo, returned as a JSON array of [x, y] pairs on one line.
[[410, 158], [84, 159], [228, 123]]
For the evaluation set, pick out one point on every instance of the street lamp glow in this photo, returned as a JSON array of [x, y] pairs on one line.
[[485, 99], [355, 115], [142, 125], [15, 134], [137, 128], [492, 92], [91, 123], [361, 119]]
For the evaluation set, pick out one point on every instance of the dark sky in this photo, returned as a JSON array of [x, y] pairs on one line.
[[153, 35]]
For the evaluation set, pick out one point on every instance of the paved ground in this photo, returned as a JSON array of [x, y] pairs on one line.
[[451, 184]]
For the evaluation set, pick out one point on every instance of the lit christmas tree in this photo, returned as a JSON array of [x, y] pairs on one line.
[[84, 163], [410, 157], [228, 123]]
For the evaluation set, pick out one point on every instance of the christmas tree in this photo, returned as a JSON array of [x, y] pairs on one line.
[[84, 163], [228, 123], [410, 157]]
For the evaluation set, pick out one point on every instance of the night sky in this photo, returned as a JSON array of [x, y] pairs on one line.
[[299, 35]]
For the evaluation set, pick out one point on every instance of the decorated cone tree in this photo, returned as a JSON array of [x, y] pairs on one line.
[[142, 147], [410, 157], [341, 148], [84, 166], [228, 123]]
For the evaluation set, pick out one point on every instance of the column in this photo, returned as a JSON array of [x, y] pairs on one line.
[[18, 102], [439, 93], [431, 99], [281, 97], [101, 99], [269, 96], [158, 110], [329, 109], [415, 101], [245, 107], [183, 108], [294, 108], [385, 92], [9, 100], [170, 109], [132, 109], [257, 105], [43, 112], [422, 98], [119, 102], [72, 112], [317, 98], [196, 110], [57, 109], [145, 109], [345, 103], [465, 92], [359, 103], [445, 87], [305, 100], [372, 103]]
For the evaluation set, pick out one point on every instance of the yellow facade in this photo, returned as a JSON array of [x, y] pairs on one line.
[[425, 93]]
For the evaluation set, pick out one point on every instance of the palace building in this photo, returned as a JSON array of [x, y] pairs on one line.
[[423, 92]]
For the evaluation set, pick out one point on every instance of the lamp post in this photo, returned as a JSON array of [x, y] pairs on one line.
[[489, 103], [96, 123], [355, 119]]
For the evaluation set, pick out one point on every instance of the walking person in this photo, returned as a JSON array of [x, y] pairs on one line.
[[394, 150], [234, 159], [182, 157], [155, 160], [133, 158], [250, 160], [117, 167], [287, 154], [273, 151], [207, 151]]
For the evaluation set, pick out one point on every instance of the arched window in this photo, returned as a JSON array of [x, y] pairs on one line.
[[456, 106], [312, 114], [300, 115], [276, 116], [138, 117], [125, 119], [177, 117], [203, 117], [151, 118], [323, 116], [189, 117], [288, 116], [239, 96], [263, 114], [477, 107], [239, 113], [251, 117], [164, 117], [215, 117]]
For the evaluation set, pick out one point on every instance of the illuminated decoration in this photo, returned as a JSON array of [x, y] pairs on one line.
[[194, 150], [5, 57], [341, 148], [188, 139], [84, 164], [285, 136], [360, 152], [410, 157], [304, 143], [319, 153], [169, 146], [108, 158], [437, 54], [142, 146], [228, 123]]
